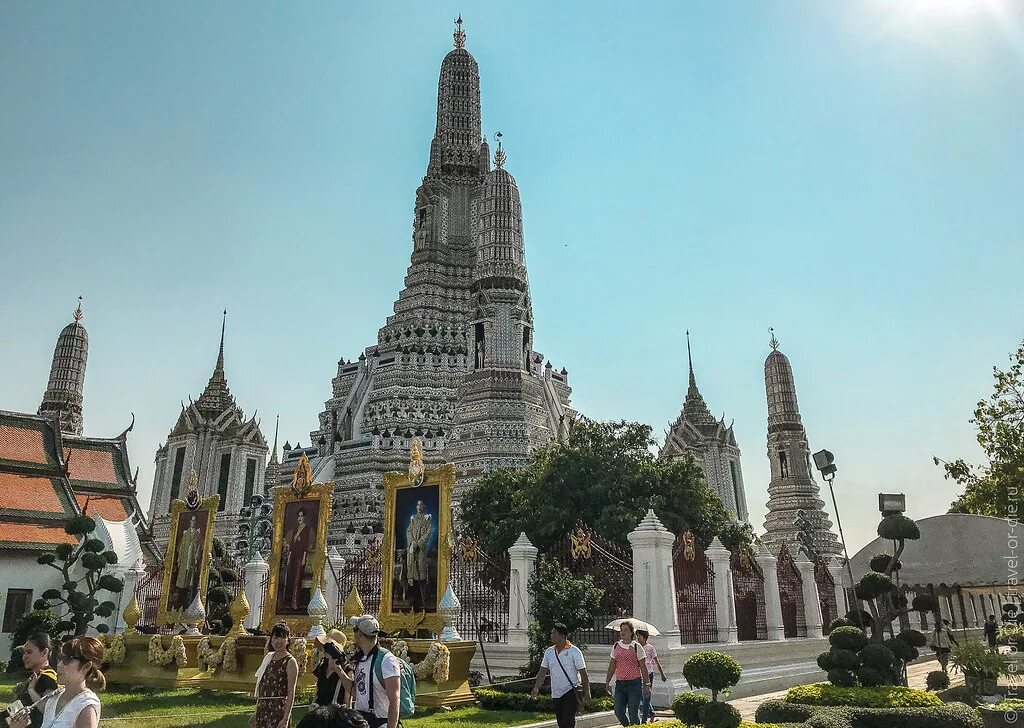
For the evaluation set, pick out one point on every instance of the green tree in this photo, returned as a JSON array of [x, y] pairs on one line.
[[992, 489], [558, 596], [82, 569], [604, 474]]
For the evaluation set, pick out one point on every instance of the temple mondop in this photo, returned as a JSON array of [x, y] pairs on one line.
[[454, 365]]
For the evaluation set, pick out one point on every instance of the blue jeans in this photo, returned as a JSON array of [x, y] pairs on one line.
[[646, 711], [628, 694]]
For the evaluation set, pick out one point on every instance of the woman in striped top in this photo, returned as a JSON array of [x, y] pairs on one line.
[[629, 667]]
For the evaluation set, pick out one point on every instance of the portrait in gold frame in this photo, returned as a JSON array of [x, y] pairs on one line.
[[443, 479], [169, 614], [318, 496]]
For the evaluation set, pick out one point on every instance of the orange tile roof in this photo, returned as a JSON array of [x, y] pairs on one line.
[[29, 493], [110, 508], [93, 465], [33, 533], [22, 444]]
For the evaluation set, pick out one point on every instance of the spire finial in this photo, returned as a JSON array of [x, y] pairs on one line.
[[78, 311], [689, 358], [273, 455], [460, 34], [220, 354], [774, 342], [499, 156]]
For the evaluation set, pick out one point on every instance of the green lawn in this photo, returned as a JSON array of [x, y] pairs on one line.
[[155, 708]]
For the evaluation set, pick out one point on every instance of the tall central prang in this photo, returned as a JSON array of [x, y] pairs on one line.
[[454, 365]]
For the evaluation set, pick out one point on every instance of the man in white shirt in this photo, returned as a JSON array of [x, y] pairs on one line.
[[564, 662], [376, 701]]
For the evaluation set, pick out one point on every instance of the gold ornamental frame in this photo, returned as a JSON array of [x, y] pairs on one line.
[[444, 478], [165, 616], [283, 495]]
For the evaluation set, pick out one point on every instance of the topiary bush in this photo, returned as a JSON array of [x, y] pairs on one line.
[[913, 638], [833, 718], [686, 706], [842, 678], [889, 696], [719, 715], [776, 710], [848, 638], [877, 656], [871, 677], [713, 670], [902, 651], [937, 680]]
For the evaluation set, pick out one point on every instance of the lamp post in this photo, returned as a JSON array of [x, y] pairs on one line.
[[825, 462], [254, 529]]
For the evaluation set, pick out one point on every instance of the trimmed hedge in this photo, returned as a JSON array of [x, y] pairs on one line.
[[686, 706], [491, 699], [720, 715], [889, 696], [951, 715], [744, 724]]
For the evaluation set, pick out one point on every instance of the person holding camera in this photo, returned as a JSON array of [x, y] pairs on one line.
[[333, 681]]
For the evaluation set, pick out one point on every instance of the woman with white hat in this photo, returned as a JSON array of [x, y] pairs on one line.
[[333, 681]]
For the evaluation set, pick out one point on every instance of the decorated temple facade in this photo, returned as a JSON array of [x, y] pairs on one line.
[[712, 444], [454, 365], [226, 450]]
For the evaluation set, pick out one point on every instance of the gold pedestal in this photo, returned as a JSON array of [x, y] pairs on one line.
[[455, 690]]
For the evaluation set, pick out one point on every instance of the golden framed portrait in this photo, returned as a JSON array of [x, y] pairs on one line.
[[417, 548], [297, 554], [187, 559]]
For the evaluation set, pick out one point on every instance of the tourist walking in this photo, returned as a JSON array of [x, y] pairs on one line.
[[333, 681], [377, 675], [570, 686], [74, 704], [275, 682], [332, 716], [628, 665], [991, 631], [42, 679], [942, 641], [643, 637]]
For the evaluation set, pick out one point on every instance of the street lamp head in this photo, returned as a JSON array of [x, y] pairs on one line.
[[825, 461]]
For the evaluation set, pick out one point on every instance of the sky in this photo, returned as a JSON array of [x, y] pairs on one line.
[[847, 173]]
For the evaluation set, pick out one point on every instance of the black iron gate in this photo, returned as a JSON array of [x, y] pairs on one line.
[[791, 594], [748, 587], [695, 591]]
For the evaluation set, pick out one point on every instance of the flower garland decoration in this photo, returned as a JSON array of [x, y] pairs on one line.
[[435, 665], [297, 649], [115, 650], [211, 659], [400, 649], [175, 653]]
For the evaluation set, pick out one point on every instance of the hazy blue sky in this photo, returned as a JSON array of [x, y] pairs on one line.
[[847, 172]]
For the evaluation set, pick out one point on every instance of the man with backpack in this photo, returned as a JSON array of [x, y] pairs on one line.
[[384, 685]]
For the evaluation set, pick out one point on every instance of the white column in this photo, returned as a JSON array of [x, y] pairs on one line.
[[725, 610], [332, 592], [654, 586], [255, 570], [812, 604], [772, 599], [523, 555], [131, 578], [835, 568]]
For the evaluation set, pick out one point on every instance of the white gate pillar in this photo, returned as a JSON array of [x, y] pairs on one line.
[[654, 584], [725, 610], [131, 577], [523, 556], [812, 602], [772, 600], [332, 590], [255, 571], [835, 569]]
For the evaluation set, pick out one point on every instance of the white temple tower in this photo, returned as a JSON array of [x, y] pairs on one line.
[[792, 487]]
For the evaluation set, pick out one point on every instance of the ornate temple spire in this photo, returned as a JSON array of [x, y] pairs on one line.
[[63, 395], [273, 453], [217, 397], [695, 409], [499, 155], [689, 358], [459, 35]]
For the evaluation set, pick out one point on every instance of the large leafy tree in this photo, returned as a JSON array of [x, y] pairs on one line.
[[83, 571], [604, 474], [992, 489]]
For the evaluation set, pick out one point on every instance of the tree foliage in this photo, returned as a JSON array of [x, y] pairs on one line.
[[993, 489], [604, 474], [82, 570], [557, 595]]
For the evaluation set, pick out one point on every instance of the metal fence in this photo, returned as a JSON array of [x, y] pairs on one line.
[[364, 573], [585, 552], [695, 591], [826, 593], [748, 588], [791, 594], [481, 583]]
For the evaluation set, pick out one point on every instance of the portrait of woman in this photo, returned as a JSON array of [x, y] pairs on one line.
[[299, 544]]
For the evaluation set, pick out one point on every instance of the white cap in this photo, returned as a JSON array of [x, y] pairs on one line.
[[367, 624]]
